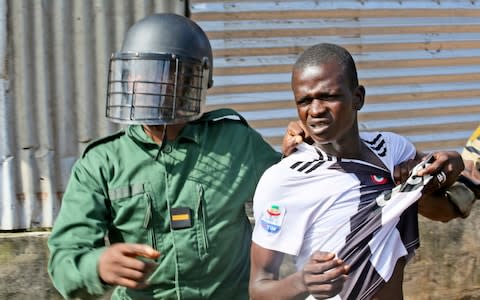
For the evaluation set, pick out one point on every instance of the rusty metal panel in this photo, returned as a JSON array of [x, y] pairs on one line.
[[419, 61], [53, 68]]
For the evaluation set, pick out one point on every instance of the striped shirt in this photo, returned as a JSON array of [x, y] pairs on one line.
[[312, 201]]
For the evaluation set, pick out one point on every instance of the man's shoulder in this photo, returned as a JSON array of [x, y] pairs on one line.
[[95, 144], [304, 156], [372, 135], [378, 138], [223, 114]]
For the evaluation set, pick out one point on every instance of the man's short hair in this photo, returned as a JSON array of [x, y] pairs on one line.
[[325, 53]]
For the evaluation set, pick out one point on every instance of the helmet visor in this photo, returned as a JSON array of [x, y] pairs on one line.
[[155, 89]]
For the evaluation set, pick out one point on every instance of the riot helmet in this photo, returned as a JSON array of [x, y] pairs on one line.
[[162, 73]]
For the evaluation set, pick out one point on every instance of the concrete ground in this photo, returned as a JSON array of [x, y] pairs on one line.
[[447, 265]]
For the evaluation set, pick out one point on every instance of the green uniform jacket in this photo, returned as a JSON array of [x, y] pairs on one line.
[[125, 186]]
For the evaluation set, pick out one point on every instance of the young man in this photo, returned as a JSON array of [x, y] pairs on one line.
[[169, 190], [331, 204]]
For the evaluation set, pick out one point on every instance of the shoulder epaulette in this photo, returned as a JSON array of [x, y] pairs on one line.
[[223, 114], [103, 140]]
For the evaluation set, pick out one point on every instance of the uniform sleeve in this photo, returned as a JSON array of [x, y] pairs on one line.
[[264, 154], [280, 222], [77, 238], [402, 148]]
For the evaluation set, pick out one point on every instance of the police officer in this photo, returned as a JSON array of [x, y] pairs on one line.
[[157, 209]]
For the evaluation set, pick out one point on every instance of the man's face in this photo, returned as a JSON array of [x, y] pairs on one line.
[[150, 88], [326, 104], [157, 87]]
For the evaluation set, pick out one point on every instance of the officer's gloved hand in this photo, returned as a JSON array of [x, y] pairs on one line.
[[466, 190]]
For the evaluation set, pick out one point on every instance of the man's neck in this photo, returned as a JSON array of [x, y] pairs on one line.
[[157, 132], [356, 149], [352, 149]]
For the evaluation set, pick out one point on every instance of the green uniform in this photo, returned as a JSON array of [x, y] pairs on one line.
[[126, 186]]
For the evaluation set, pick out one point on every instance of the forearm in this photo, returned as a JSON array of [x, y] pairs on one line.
[[290, 287], [445, 197], [76, 242], [75, 274], [437, 207]]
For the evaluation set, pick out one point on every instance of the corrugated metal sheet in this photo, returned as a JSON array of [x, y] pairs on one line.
[[419, 61], [53, 66]]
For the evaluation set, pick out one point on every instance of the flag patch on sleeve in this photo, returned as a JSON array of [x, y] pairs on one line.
[[377, 179], [272, 218]]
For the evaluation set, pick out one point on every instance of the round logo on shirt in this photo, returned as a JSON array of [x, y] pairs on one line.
[[272, 218], [378, 179]]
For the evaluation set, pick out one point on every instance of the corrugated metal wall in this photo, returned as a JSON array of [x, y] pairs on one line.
[[53, 63], [419, 61]]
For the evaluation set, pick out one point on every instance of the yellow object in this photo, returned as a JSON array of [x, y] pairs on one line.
[[472, 148], [182, 217]]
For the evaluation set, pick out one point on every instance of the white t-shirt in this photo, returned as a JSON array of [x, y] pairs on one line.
[[312, 201]]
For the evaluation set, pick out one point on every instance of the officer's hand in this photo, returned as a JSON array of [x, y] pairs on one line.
[[402, 171], [324, 275], [119, 265], [294, 135], [445, 168]]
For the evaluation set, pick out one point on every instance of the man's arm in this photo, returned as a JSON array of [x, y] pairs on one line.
[[322, 276], [77, 241], [80, 264], [461, 195]]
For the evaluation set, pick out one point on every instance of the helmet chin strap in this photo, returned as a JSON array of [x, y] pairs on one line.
[[164, 136], [164, 141]]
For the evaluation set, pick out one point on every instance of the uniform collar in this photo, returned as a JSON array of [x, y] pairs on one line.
[[189, 132]]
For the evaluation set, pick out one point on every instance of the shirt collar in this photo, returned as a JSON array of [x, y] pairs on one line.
[[190, 132]]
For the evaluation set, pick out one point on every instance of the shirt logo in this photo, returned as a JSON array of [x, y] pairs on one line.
[[272, 218], [378, 179]]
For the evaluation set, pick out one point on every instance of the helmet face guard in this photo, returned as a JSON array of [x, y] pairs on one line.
[[156, 88]]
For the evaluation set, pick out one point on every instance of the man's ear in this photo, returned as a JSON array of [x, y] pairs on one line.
[[358, 97]]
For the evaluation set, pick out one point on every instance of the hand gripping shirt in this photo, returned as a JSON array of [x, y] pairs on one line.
[[312, 201], [128, 187]]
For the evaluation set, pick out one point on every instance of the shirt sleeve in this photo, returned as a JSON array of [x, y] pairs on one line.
[[280, 222], [77, 238], [402, 148]]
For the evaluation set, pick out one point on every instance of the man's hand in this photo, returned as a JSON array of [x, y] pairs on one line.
[[445, 168], [444, 198], [402, 171], [294, 135], [324, 275], [119, 265]]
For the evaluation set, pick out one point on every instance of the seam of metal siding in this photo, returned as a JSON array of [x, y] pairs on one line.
[[269, 6], [411, 55], [52, 95], [232, 26]]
